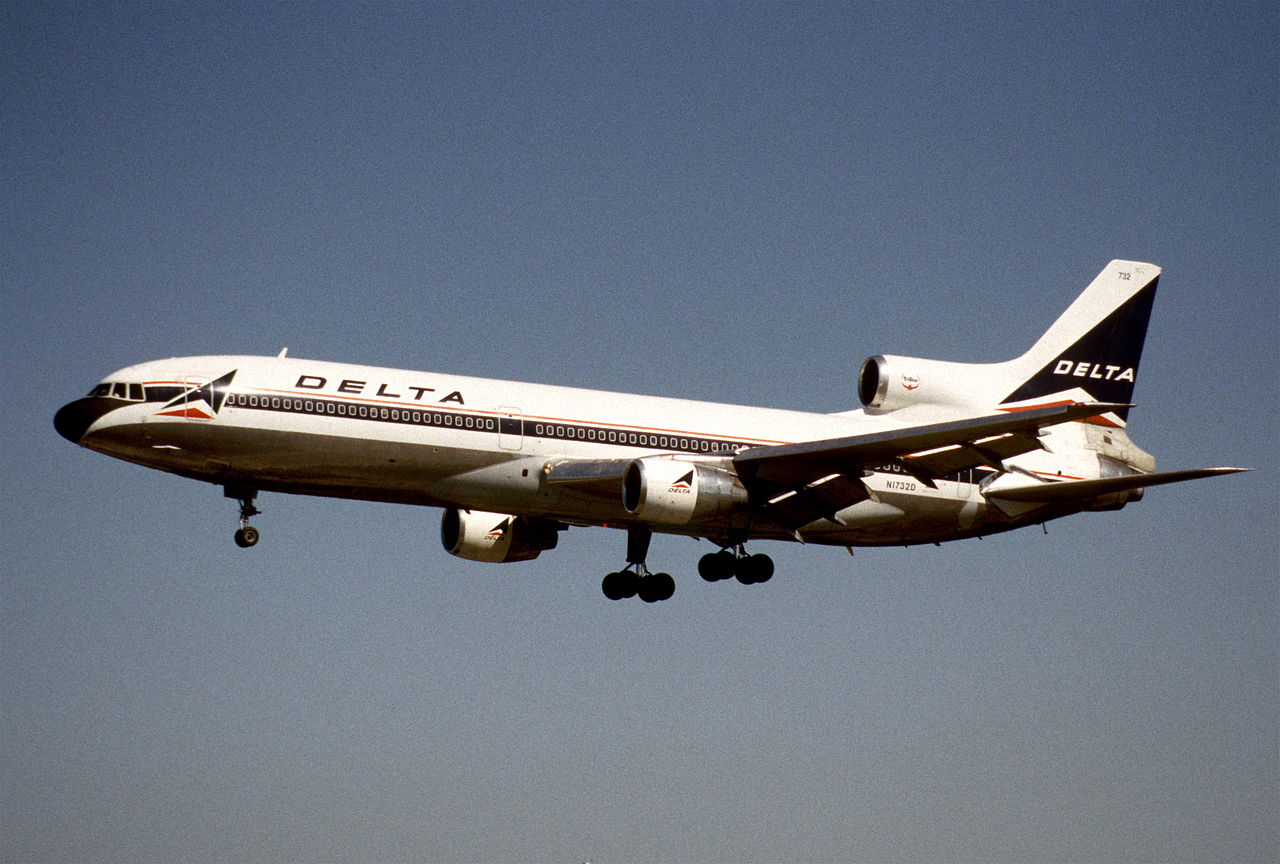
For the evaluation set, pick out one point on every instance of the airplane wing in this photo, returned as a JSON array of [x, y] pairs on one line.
[[816, 479], [812, 479], [798, 464]]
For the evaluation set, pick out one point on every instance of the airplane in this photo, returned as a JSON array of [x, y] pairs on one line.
[[937, 451]]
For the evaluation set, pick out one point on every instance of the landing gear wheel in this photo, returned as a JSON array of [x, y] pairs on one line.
[[635, 578], [715, 566], [246, 534], [754, 569], [620, 585], [657, 587]]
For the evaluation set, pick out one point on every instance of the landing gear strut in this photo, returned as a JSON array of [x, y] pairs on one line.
[[635, 578], [246, 535], [727, 564]]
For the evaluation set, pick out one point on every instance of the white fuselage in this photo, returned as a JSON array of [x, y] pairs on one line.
[[319, 428]]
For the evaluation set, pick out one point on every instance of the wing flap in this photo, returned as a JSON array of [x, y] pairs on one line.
[[986, 451], [820, 499]]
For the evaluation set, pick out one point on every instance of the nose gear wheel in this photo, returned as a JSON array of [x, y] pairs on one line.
[[246, 535]]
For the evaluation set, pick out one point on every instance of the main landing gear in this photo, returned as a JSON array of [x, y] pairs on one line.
[[246, 535], [635, 579], [726, 564]]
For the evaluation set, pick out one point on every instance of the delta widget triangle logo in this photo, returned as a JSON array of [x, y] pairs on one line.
[[188, 404]]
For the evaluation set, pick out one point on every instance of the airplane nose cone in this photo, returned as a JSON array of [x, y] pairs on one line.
[[74, 418]]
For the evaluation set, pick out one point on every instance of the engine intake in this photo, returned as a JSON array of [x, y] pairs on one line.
[[888, 382], [495, 537], [673, 492]]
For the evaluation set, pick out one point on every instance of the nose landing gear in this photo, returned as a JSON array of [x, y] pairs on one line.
[[246, 535]]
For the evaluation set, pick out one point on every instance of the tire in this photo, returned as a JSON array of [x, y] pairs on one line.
[[668, 585], [619, 586], [657, 587], [715, 566], [764, 568], [754, 569]]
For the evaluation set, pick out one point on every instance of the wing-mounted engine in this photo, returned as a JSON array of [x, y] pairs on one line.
[[670, 491], [888, 382], [495, 537]]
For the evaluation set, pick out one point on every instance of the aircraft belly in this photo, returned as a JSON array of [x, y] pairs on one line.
[[291, 461], [402, 470], [371, 469]]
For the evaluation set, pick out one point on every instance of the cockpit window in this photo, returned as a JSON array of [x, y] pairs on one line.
[[119, 390]]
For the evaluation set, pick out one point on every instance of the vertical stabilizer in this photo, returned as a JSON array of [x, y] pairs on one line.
[[1092, 351]]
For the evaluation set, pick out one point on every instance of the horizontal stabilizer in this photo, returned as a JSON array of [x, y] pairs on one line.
[[1075, 490]]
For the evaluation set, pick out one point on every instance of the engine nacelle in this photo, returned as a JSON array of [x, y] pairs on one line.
[[495, 537], [672, 492], [887, 383]]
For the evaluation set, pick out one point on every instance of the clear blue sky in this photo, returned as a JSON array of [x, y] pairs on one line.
[[733, 202]]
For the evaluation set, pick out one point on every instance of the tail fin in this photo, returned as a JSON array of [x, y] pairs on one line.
[[1092, 351]]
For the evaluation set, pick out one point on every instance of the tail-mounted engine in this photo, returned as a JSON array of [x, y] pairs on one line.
[[495, 537], [668, 491], [887, 383]]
